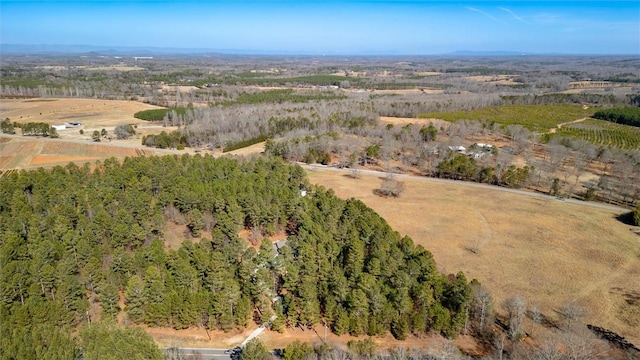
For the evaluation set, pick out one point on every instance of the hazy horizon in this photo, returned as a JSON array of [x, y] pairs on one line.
[[366, 27]]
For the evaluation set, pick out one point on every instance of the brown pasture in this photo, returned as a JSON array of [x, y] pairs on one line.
[[102, 113], [18, 152], [548, 251]]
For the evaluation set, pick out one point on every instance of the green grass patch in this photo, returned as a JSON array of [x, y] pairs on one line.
[[533, 117]]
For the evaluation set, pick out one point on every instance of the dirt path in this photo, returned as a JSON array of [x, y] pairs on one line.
[[596, 286], [486, 236], [553, 130]]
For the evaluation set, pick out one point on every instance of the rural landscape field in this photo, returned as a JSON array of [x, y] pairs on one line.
[[330, 207]]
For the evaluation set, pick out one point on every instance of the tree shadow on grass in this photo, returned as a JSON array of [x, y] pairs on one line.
[[626, 218]]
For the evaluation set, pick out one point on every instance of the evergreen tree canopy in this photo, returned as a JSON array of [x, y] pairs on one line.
[[73, 238]]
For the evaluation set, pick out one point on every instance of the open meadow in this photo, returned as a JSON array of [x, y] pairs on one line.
[[550, 252]]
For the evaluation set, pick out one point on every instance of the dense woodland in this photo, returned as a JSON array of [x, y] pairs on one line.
[[74, 239]]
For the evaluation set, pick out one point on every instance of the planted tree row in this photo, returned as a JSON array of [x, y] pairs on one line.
[[621, 137], [34, 129], [533, 117], [245, 143]]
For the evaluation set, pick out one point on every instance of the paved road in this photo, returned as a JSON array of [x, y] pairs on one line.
[[608, 207], [204, 353]]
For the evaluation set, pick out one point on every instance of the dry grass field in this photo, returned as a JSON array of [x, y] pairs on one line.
[[438, 123], [30, 153], [494, 79], [104, 113], [548, 251]]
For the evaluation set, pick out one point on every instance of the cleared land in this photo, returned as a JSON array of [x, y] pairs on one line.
[[29, 153], [404, 121], [494, 79], [60, 111], [549, 251]]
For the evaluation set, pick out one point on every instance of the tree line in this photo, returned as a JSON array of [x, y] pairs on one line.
[[622, 115], [29, 129]]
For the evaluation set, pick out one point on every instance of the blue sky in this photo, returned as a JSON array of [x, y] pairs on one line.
[[331, 26]]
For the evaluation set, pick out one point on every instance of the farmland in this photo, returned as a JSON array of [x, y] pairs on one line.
[[603, 133], [534, 117]]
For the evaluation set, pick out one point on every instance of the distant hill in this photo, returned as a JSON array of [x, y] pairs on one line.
[[56, 49], [488, 53], [59, 49]]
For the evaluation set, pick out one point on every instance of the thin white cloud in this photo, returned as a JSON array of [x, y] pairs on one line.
[[548, 18], [485, 14], [515, 16]]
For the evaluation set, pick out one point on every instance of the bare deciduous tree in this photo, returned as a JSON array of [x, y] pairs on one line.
[[571, 312], [390, 186], [516, 308], [535, 315]]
